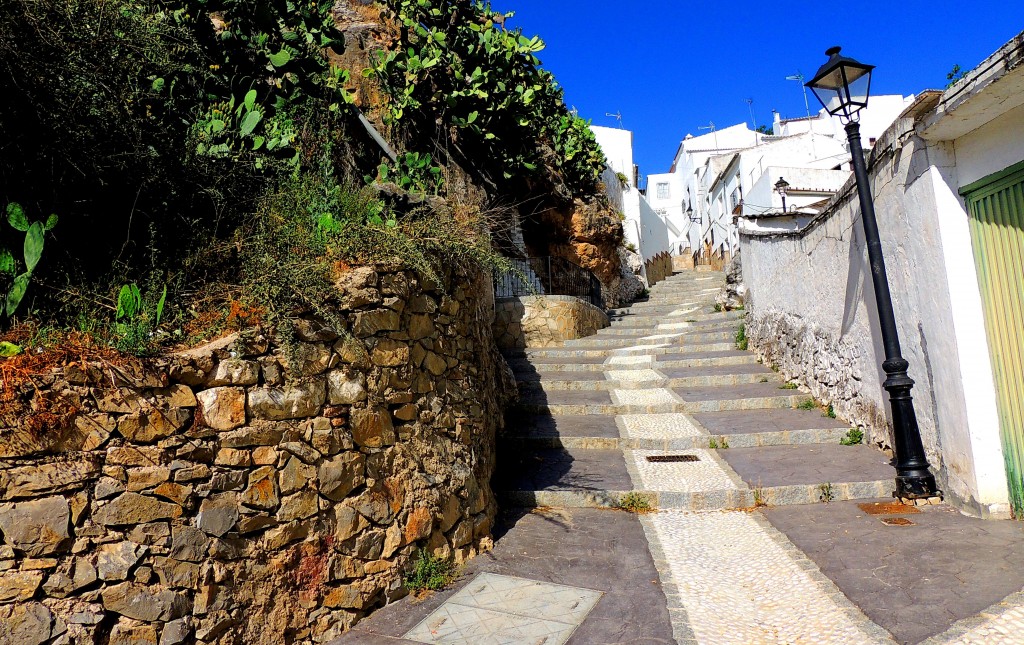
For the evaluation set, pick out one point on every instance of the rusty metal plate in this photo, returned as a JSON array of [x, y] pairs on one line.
[[887, 508], [896, 521], [671, 458]]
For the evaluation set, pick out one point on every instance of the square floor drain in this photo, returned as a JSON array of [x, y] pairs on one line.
[[500, 610], [896, 521], [658, 459]]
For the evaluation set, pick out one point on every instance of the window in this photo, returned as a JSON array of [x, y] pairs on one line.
[[663, 192], [661, 211]]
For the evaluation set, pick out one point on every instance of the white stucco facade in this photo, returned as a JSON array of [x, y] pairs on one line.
[[810, 282], [874, 120], [643, 227]]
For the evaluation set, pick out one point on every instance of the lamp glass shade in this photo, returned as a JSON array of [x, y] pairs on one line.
[[842, 85]]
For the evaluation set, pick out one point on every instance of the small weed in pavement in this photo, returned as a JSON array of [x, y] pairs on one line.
[[760, 496], [828, 493], [431, 573], [741, 338], [764, 379], [713, 444], [809, 404], [854, 437], [634, 503], [718, 308], [788, 386], [830, 412]]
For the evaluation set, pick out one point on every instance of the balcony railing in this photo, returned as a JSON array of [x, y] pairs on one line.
[[551, 276]]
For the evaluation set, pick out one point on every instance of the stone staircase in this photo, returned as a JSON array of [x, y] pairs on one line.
[[666, 381]]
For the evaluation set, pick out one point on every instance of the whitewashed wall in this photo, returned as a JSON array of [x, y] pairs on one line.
[[812, 312]]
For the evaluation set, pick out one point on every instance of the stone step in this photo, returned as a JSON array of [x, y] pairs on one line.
[[705, 405], [734, 478], [597, 363], [633, 321], [625, 351], [688, 335], [659, 327], [542, 439], [549, 384], [744, 428]]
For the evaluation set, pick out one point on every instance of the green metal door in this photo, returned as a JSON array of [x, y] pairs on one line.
[[996, 207]]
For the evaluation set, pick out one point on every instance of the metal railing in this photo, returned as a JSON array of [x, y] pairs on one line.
[[551, 276]]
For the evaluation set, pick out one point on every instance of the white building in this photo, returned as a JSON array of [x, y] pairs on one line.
[[644, 228], [874, 120]]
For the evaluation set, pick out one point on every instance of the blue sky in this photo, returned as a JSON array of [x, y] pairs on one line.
[[673, 66]]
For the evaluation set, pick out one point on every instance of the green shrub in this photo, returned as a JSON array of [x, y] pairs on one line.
[[853, 437], [741, 338], [431, 573]]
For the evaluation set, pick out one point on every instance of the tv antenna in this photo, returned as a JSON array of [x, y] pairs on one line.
[[750, 106], [617, 116], [711, 126], [807, 106]]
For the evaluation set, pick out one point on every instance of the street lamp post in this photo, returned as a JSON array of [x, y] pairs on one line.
[[843, 86], [781, 186]]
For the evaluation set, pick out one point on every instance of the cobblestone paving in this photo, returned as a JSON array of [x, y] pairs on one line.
[[659, 426], [650, 396], [636, 376], [1006, 628], [704, 475], [738, 585]]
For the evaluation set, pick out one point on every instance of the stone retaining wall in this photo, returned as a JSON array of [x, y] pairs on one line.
[[544, 321], [255, 491], [658, 268]]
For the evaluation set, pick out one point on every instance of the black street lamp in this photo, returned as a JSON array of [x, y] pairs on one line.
[[843, 86], [689, 214], [781, 186]]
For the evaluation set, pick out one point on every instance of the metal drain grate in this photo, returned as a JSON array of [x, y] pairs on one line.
[[897, 521], [657, 459]]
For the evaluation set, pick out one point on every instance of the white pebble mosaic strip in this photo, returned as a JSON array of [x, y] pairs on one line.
[[739, 586], [632, 376], [1005, 629], [651, 396], [630, 360], [682, 477], [659, 426]]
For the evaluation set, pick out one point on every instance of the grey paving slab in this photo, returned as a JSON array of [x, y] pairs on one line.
[[683, 356], [914, 581], [562, 425], [534, 375], [567, 397], [552, 469], [560, 360], [601, 550], [808, 464], [716, 370], [753, 421], [725, 392]]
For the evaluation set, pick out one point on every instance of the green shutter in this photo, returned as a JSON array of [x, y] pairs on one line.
[[997, 232]]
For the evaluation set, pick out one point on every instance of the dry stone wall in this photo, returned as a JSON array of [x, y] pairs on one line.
[[544, 321], [255, 490]]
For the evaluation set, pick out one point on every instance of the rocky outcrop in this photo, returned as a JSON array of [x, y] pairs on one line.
[[265, 488], [734, 292]]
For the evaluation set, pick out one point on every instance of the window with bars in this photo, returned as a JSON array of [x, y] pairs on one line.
[[663, 191]]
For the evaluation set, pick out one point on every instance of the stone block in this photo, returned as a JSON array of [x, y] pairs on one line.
[[132, 508], [222, 408], [39, 527], [25, 624], [218, 515], [145, 603], [372, 428], [234, 371], [262, 490], [370, 323], [115, 561], [298, 506], [290, 402], [389, 353], [18, 586], [43, 479], [150, 425], [341, 475], [344, 388]]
